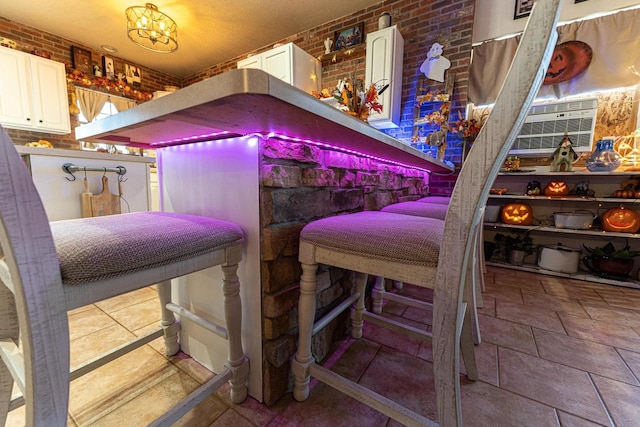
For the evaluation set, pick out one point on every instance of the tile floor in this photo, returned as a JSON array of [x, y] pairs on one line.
[[555, 352]]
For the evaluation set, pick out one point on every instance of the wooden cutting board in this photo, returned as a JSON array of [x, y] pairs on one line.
[[102, 204]]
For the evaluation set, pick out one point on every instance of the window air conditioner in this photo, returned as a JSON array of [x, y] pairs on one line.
[[545, 125]]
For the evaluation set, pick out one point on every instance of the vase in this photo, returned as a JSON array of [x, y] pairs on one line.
[[384, 21], [605, 158]]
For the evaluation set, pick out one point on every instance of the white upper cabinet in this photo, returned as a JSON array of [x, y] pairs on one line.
[[290, 64], [33, 93], [385, 51]]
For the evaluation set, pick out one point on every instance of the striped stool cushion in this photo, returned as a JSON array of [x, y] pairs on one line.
[[385, 236], [441, 200], [91, 249], [426, 210]]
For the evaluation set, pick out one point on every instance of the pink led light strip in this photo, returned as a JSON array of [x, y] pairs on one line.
[[227, 135]]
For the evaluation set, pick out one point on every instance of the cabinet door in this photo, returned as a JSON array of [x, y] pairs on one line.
[[50, 107], [277, 62], [254, 61], [385, 49], [15, 92]]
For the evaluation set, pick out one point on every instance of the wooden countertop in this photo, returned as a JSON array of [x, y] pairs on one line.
[[242, 102]]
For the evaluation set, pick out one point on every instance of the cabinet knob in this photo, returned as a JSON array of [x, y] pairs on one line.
[[28, 119]]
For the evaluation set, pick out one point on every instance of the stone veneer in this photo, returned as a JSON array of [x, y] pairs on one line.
[[301, 183]]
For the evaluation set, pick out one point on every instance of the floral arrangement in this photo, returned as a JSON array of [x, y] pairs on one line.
[[467, 129], [353, 98]]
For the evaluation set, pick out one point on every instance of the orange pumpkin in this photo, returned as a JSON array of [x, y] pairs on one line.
[[517, 213], [556, 188], [621, 220]]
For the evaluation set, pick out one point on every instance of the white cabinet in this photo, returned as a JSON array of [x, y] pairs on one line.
[[290, 64], [545, 233], [33, 93], [385, 50]]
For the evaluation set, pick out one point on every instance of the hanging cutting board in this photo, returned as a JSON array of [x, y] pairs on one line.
[[102, 204]]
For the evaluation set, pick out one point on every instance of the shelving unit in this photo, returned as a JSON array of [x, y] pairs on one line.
[[340, 55], [545, 233]]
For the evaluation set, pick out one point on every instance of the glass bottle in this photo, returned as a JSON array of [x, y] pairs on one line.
[[605, 158]]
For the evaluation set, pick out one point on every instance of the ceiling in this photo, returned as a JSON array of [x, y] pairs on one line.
[[209, 31]]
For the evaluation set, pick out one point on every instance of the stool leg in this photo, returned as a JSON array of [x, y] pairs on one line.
[[8, 330], [356, 315], [237, 361], [467, 347], [306, 313], [376, 295], [168, 321]]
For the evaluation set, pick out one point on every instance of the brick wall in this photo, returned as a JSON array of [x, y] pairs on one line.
[[300, 183]]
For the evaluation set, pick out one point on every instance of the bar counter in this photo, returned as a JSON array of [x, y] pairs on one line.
[[245, 147]]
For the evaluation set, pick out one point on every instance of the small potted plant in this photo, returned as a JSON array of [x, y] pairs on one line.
[[609, 260], [515, 248]]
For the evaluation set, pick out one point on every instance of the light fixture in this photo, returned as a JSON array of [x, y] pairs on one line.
[[152, 29]]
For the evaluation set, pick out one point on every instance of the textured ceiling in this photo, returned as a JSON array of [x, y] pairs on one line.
[[209, 31]]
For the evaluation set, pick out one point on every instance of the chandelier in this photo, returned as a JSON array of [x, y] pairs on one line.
[[152, 29]]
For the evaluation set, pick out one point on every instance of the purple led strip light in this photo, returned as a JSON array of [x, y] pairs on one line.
[[226, 135]]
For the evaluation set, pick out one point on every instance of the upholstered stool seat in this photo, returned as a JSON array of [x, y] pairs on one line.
[[417, 208], [92, 249], [389, 237], [440, 200]]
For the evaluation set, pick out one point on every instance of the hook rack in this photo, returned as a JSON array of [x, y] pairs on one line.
[[70, 168]]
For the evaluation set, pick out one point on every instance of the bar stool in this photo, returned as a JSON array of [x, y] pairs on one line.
[[51, 268], [362, 242]]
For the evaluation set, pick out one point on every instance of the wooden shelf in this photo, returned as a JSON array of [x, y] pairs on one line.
[[342, 54], [550, 229], [580, 275], [565, 199]]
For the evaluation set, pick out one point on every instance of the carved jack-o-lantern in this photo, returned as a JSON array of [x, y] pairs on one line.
[[517, 213], [621, 220], [556, 188]]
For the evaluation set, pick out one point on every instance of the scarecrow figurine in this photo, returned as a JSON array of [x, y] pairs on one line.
[[563, 156]]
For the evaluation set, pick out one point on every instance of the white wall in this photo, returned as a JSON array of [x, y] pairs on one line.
[[493, 19]]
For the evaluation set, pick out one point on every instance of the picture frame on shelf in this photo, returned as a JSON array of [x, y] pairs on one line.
[[81, 60], [108, 67], [523, 8], [349, 37], [133, 75]]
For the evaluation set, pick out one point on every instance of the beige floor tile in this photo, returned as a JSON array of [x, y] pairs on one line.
[[99, 392], [557, 385], [526, 283], [604, 333], [484, 405], [391, 338], [501, 292], [325, 407], [138, 315], [584, 355], [489, 307], [507, 334], [259, 414], [570, 291], [632, 359], [87, 322], [615, 315], [355, 357], [403, 379], [549, 302], [126, 300], [419, 315], [231, 419], [527, 315], [148, 406], [622, 400], [629, 300], [569, 420], [89, 346]]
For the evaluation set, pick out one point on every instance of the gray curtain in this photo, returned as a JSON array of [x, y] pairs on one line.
[[614, 40]]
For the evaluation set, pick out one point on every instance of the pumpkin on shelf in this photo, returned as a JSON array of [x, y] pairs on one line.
[[517, 213], [621, 220], [556, 189]]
